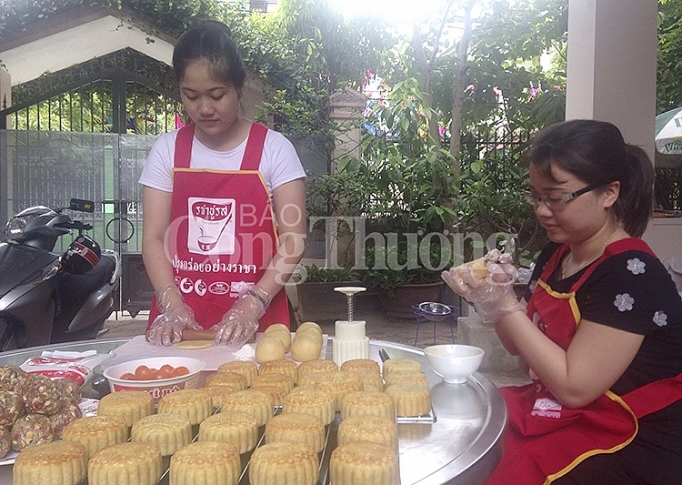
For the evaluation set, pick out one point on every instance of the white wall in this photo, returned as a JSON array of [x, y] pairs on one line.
[[612, 77], [79, 44]]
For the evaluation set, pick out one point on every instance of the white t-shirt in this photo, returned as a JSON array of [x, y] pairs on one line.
[[279, 163]]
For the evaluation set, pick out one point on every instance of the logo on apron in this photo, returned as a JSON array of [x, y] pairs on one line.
[[211, 225]]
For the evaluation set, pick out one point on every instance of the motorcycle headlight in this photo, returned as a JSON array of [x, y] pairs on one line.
[[14, 228], [17, 226]]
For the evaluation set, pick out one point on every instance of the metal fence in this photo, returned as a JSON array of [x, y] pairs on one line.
[[50, 167], [669, 188], [116, 105]]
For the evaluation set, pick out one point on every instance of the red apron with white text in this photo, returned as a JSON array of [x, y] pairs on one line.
[[222, 234], [545, 440]]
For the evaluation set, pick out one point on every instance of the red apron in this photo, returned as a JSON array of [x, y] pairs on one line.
[[545, 440], [222, 234]]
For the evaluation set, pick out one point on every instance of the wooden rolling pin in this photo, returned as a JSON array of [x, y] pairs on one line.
[[190, 334]]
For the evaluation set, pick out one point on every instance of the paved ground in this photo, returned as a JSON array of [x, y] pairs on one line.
[[378, 327]]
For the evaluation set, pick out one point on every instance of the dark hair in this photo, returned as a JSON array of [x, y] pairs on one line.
[[210, 40], [595, 152]]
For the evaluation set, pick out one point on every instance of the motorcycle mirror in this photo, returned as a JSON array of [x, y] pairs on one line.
[[82, 205]]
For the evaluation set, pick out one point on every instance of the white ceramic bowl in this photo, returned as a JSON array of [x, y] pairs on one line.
[[156, 387], [454, 363]]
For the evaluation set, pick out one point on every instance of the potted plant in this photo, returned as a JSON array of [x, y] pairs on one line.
[[399, 290], [410, 188], [412, 206]]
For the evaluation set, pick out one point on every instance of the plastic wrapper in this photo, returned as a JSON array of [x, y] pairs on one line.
[[59, 364]]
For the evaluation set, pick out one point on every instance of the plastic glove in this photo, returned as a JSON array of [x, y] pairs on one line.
[[241, 321], [166, 329], [492, 296]]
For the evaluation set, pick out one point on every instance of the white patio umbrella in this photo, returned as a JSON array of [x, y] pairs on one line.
[[669, 132]]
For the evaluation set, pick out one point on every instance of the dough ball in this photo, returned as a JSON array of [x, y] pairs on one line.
[[308, 325], [276, 326], [283, 335], [305, 348], [269, 348], [480, 267], [310, 332]]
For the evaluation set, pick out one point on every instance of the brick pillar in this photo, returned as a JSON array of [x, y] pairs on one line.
[[346, 110]]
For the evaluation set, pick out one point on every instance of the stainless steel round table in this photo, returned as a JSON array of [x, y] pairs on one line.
[[462, 445]]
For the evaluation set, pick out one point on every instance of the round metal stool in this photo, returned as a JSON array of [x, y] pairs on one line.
[[434, 312]]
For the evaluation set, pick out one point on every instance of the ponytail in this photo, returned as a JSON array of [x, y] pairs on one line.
[[635, 203], [595, 152]]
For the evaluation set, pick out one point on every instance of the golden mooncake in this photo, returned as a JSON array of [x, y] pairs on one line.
[[258, 404], [364, 427], [233, 380], [281, 366], [364, 463], [205, 463], [277, 392], [284, 462], [130, 405], [130, 463], [193, 404], [96, 432], [361, 365], [372, 403], [169, 432], [400, 365], [247, 368], [56, 463], [410, 399], [310, 401], [298, 428], [285, 381], [237, 428], [316, 365]]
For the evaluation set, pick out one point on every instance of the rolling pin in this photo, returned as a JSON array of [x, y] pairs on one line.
[[190, 334]]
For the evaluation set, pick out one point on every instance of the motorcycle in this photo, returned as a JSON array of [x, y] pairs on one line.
[[48, 297]]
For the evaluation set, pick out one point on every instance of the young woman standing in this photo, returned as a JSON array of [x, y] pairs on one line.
[[224, 204]]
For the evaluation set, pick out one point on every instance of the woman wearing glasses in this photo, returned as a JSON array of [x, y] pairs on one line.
[[601, 332]]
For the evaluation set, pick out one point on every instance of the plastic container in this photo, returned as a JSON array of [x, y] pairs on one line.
[[156, 387]]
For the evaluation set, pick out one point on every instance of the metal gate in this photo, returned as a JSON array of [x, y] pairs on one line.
[[48, 168], [88, 138]]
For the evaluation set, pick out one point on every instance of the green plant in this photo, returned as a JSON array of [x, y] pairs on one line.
[[410, 191], [490, 203], [393, 266], [315, 274]]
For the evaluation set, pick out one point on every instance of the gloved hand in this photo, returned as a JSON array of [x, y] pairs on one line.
[[241, 321], [492, 296], [166, 329]]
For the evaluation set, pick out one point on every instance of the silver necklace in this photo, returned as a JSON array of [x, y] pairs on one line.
[[568, 258]]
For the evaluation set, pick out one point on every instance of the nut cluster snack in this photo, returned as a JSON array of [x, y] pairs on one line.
[[34, 409]]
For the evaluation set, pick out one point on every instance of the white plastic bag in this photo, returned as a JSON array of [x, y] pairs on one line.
[[59, 364]]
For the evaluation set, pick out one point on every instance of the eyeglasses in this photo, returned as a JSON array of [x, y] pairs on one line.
[[556, 203]]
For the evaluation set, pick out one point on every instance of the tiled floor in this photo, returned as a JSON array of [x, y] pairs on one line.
[[378, 327]]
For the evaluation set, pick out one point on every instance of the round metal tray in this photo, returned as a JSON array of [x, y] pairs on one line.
[[462, 446]]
